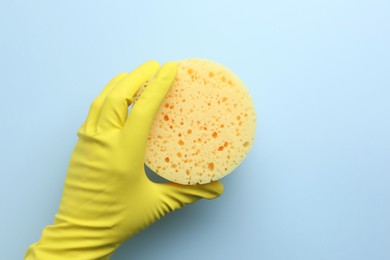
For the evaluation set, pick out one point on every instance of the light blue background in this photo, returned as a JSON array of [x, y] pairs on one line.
[[316, 184]]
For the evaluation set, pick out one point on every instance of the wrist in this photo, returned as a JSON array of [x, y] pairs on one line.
[[69, 241]]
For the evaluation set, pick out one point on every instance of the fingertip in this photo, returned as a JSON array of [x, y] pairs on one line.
[[215, 188], [219, 187], [168, 71], [121, 75], [170, 65], [152, 64]]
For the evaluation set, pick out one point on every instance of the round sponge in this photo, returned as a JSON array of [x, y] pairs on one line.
[[205, 126]]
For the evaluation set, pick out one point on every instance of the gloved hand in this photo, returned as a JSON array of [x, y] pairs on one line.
[[107, 197]]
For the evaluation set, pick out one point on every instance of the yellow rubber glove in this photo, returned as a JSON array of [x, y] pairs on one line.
[[107, 197]]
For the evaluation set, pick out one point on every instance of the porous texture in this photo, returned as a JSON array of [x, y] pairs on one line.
[[205, 126]]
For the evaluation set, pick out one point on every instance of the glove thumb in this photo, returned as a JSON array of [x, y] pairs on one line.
[[176, 196]]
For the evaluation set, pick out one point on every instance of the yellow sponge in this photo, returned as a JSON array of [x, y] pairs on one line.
[[205, 126]]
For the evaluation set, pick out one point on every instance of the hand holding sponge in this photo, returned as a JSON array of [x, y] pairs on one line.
[[107, 197]]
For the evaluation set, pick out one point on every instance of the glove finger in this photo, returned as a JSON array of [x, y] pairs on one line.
[[94, 110], [141, 116], [115, 107], [176, 196]]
